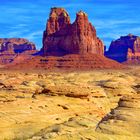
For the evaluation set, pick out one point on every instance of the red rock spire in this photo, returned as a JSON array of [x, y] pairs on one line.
[[58, 19], [61, 37]]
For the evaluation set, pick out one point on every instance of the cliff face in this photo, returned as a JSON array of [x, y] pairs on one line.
[[58, 20], [10, 48], [61, 37], [126, 48]]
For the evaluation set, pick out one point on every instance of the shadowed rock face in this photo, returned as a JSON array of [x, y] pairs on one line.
[[61, 37], [16, 45], [126, 48], [11, 47]]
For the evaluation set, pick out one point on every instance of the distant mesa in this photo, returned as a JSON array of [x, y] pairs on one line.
[[10, 48], [17, 45], [125, 49]]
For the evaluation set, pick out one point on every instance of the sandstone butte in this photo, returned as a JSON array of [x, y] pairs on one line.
[[61, 37], [68, 45], [11, 48], [125, 49], [72, 45]]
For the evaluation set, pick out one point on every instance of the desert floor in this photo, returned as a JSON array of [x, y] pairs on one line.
[[93, 105]]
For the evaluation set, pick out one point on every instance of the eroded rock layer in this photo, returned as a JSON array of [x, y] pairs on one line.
[[124, 120], [67, 62], [40, 105]]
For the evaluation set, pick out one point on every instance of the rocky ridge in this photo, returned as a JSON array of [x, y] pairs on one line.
[[124, 116]]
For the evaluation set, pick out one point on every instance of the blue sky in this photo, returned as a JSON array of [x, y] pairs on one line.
[[27, 18]]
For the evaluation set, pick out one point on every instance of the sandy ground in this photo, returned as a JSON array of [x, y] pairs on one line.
[[62, 105]]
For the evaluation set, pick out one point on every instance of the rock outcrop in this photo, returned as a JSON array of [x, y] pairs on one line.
[[124, 120], [126, 48], [72, 45], [61, 37], [10, 48]]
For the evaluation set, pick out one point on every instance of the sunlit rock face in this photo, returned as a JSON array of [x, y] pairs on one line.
[[123, 120], [126, 48], [61, 37]]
